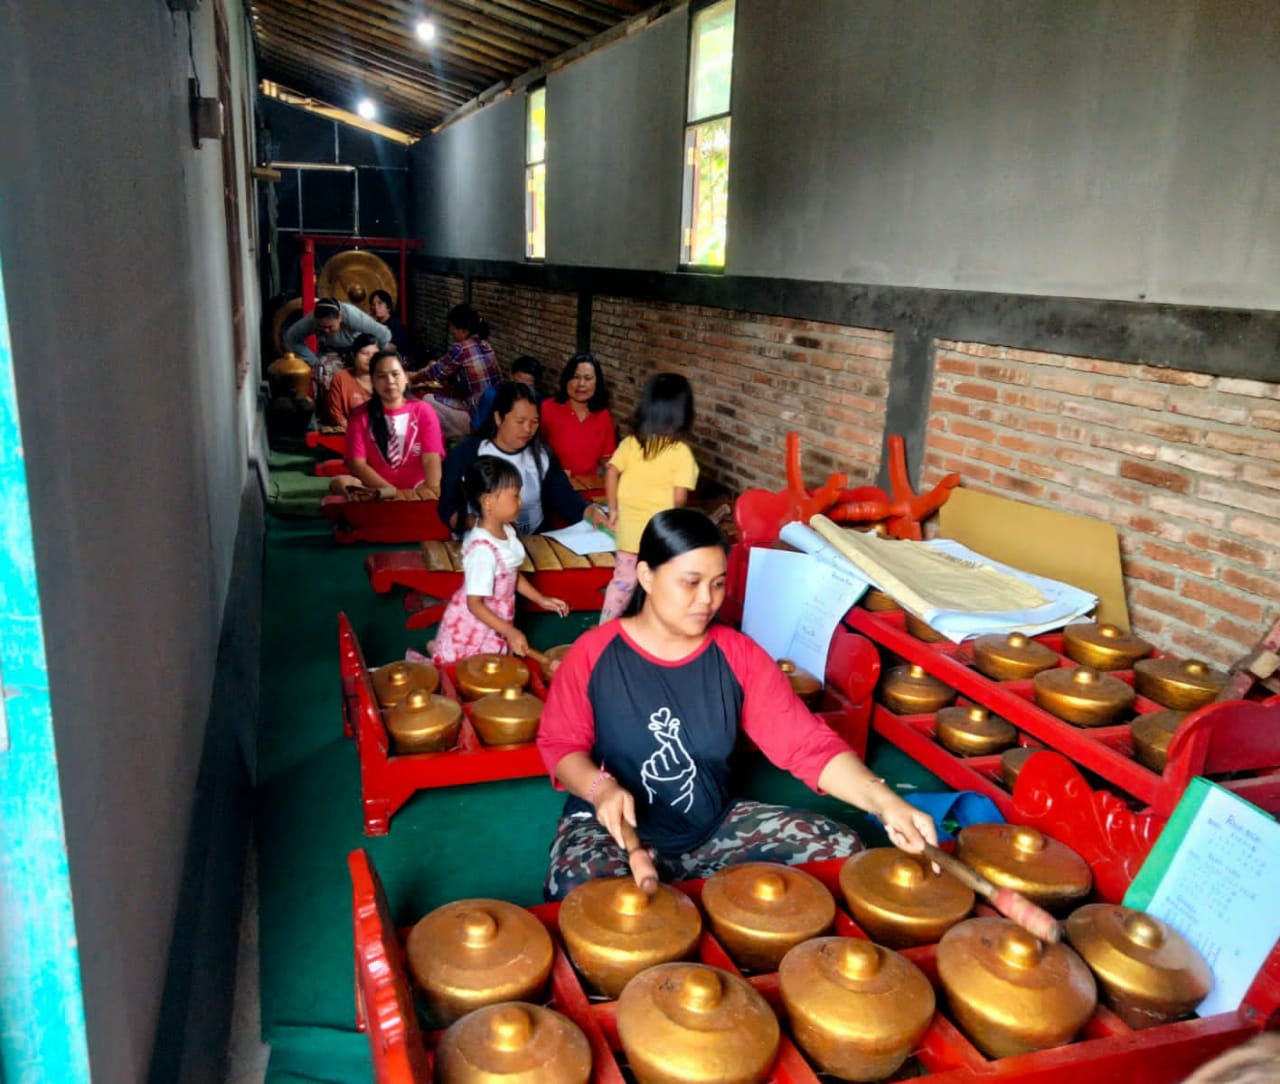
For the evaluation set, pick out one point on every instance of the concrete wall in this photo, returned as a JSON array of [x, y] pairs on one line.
[[137, 443], [614, 142], [1102, 149], [469, 185]]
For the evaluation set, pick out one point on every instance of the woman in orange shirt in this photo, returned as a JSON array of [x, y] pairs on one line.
[[353, 385]]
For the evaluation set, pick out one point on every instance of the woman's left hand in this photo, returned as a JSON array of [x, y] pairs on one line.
[[908, 828], [424, 492], [557, 604]]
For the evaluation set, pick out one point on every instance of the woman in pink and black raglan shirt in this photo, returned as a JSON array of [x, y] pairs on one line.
[[394, 446], [642, 718]]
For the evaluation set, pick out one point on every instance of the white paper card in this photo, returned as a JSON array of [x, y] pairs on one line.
[[583, 538], [794, 603]]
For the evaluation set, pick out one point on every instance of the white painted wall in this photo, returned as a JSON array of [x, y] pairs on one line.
[[137, 444]]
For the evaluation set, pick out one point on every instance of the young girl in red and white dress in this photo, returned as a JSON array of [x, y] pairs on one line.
[[480, 616]]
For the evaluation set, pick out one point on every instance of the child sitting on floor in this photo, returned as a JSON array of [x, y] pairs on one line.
[[479, 617], [652, 470]]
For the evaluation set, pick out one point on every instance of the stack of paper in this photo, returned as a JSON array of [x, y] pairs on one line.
[[951, 588], [794, 603]]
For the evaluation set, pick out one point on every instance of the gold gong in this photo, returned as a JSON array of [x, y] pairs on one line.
[[353, 277], [286, 315]]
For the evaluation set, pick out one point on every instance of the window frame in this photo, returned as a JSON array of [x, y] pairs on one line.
[[531, 165], [688, 171]]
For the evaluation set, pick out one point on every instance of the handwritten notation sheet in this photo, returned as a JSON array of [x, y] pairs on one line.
[[1214, 876]]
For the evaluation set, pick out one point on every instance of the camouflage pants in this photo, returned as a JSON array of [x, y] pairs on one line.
[[750, 832]]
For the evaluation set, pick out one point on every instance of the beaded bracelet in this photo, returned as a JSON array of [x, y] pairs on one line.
[[601, 776]]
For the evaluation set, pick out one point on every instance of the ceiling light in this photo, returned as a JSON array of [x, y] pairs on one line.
[[426, 30], [367, 109]]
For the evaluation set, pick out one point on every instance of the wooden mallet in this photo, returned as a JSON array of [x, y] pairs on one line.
[[1013, 905], [648, 882]]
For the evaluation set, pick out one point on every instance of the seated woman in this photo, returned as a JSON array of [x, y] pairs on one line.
[[642, 718], [353, 385], [467, 368], [512, 434], [524, 370], [577, 424], [394, 446], [383, 311]]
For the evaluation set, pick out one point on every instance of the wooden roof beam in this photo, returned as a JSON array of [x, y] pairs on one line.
[[449, 17], [397, 36], [319, 40]]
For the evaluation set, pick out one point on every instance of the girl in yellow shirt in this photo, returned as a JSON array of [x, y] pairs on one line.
[[653, 469]]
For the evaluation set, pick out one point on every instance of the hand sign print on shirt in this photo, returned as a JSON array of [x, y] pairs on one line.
[[669, 773]]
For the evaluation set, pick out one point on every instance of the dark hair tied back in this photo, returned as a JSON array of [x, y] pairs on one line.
[[669, 534], [466, 318], [488, 474]]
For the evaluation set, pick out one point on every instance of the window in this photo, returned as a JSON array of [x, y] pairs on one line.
[[706, 137], [535, 176]]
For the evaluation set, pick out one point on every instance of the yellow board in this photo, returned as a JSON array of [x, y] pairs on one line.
[[1074, 549]]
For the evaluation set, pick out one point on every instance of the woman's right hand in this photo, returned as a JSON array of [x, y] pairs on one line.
[[518, 642], [614, 806]]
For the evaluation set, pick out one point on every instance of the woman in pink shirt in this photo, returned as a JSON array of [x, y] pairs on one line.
[[394, 445], [577, 424]]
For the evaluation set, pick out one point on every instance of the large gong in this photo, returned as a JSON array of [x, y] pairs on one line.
[[353, 277], [286, 315]]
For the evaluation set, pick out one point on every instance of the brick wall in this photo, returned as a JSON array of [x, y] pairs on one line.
[[1185, 465], [754, 378], [431, 297], [526, 320]]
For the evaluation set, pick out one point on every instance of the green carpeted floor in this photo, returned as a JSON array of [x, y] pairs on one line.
[[484, 840]]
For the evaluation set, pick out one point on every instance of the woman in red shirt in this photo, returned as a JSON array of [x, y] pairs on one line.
[[576, 423], [642, 719]]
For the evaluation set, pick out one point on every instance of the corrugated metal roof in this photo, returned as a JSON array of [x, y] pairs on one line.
[[339, 51]]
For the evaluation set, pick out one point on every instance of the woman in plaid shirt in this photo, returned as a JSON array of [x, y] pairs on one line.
[[466, 371]]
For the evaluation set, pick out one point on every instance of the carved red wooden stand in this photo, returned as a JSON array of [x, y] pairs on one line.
[[1107, 1049], [1234, 736], [388, 779]]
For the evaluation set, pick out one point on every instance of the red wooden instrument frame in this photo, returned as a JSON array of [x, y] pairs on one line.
[[384, 521], [1107, 1049], [1228, 737], [581, 588]]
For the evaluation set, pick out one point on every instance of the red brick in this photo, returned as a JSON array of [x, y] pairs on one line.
[[1154, 476], [1195, 406], [1173, 376], [1140, 570], [1262, 530], [1188, 562], [1254, 389], [1244, 637], [1169, 606], [971, 390], [1264, 586], [1244, 443], [1198, 645], [1132, 395], [1166, 431], [1182, 508], [1228, 547], [1222, 601], [983, 433], [1145, 523], [1102, 368], [1018, 485], [1265, 419]]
